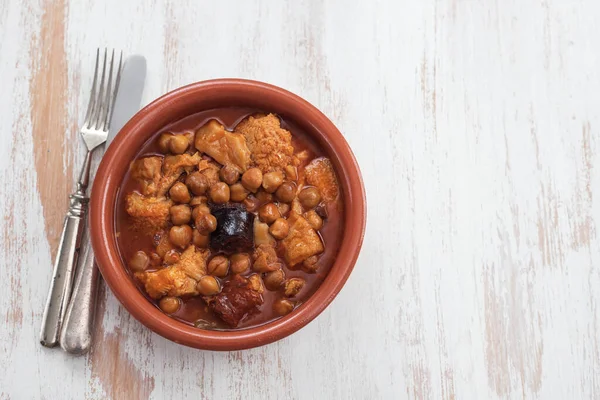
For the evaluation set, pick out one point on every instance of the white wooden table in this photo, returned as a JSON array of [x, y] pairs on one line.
[[477, 128]]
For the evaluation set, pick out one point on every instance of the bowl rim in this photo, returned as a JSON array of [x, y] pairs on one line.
[[104, 195]]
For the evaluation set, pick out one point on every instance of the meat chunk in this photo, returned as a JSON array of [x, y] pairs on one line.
[[296, 206], [269, 143], [234, 233], [265, 258], [227, 148], [147, 171], [319, 173], [210, 170], [301, 242], [148, 213], [261, 233], [176, 165], [238, 299], [179, 279], [173, 167], [156, 176]]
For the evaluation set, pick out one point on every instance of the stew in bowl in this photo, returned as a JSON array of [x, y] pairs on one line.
[[229, 218]]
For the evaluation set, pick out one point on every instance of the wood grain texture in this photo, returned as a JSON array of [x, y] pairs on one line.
[[475, 125], [48, 91]]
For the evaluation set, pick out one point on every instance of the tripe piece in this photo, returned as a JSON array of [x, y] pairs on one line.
[[302, 241], [179, 279], [227, 148], [148, 213], [269, 143]]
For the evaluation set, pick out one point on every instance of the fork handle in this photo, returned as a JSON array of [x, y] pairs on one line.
[[76, 332], [62, 276]]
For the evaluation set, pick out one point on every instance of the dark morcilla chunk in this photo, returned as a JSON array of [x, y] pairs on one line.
[[235, 229]]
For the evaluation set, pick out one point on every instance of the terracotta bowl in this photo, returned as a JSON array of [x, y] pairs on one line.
[[181, 103]]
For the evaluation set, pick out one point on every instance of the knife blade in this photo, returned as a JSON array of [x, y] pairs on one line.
[[129, 97], [76, 333]]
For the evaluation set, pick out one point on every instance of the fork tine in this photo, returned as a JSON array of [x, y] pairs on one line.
[[99, 104], [114, 94], [106, 101], [92, 101]]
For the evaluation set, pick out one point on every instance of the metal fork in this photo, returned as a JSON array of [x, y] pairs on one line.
[[94, 133]]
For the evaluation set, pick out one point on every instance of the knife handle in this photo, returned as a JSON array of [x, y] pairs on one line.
[[76, 333], [62, 276]]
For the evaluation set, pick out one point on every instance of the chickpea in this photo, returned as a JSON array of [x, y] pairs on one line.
[[280, 228], [206, 223], [139, 261], [310, 264], [179, 193], [268, 213], [264, 197], [293, 286], [172, 257], [163, 142], [198, 200], [240, 263], [256, 283], [284, 208], [200, 240], [286, 192], [180, 236], [314, 220], [251, 203], [238, 192], [178, 144], [199, 210], [155, 259], [208, 285], [180, 214], [291, 173], [196, 213], [273, 280], [309, 197], [218, 266], [204, 208], [272, 180], [197, 183], [169, 304], [229, 175], [283, 306], [219, 193], [252, 179]]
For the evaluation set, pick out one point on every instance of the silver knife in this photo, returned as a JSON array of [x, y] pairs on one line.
[[76, 333]]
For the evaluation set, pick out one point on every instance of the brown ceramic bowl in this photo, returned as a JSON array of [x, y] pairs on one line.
[[174, 106]]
